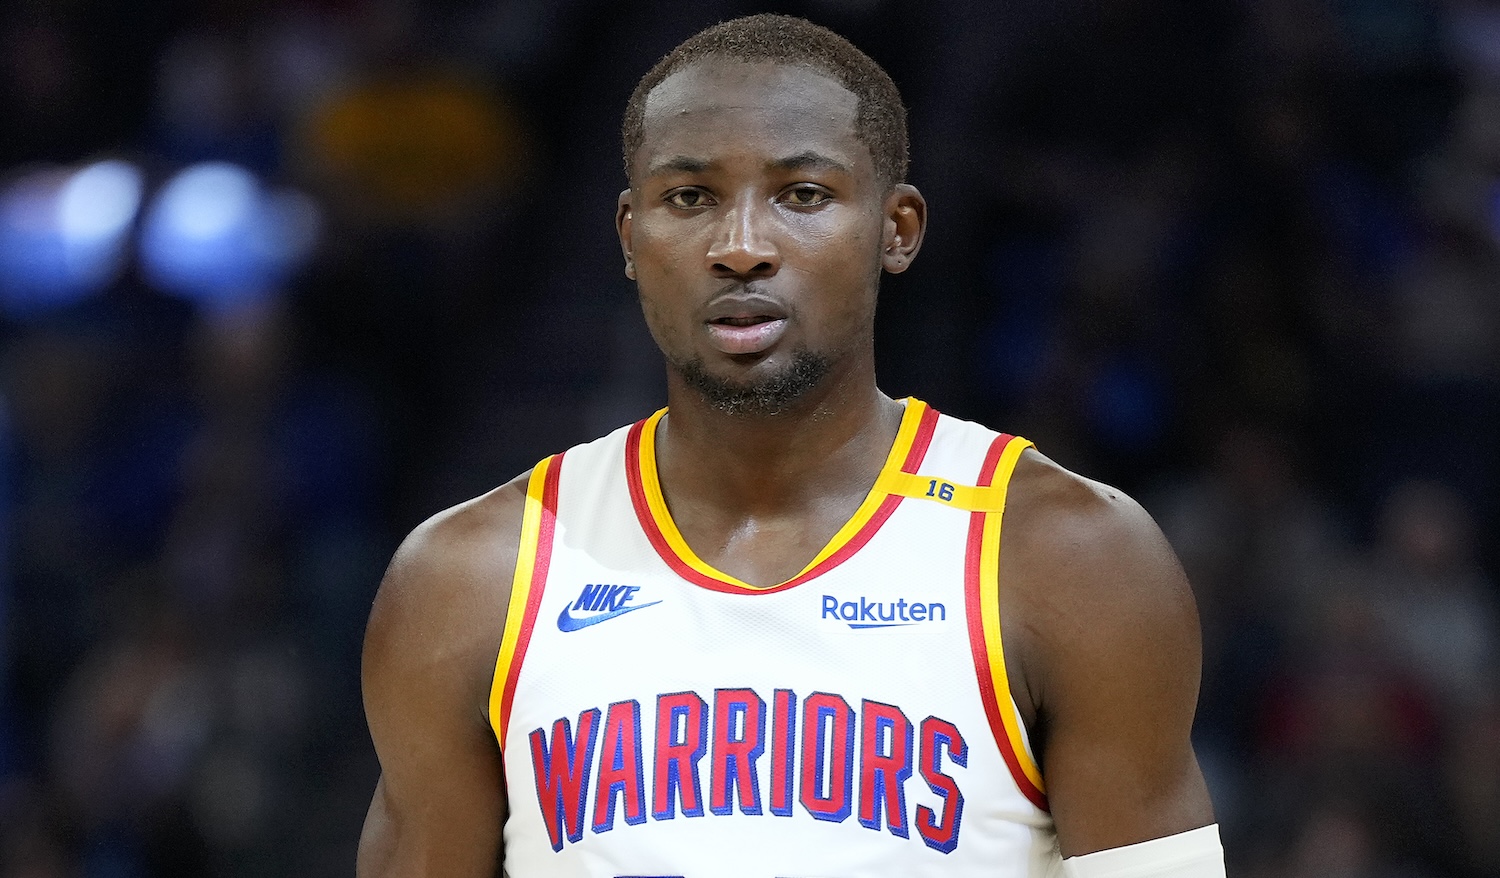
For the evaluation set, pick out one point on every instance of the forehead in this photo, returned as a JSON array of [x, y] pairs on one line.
[[720, 105]]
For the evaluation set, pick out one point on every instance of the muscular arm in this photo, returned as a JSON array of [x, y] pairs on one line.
[[428, 660], [1104, 656]]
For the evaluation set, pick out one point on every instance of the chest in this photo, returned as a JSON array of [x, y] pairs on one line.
[[662, 717]]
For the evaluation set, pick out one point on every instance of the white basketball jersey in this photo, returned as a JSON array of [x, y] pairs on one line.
[[658, 717]]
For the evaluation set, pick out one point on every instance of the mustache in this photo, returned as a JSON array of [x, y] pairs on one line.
[[747, 288]]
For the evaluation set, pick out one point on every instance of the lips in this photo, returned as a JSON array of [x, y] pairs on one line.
[[740, 323], [752, 338]]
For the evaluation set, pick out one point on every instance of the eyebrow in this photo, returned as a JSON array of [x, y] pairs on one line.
[[808, 160], [680, 164]]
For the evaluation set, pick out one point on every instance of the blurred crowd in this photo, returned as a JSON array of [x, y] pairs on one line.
[[1238, 257]]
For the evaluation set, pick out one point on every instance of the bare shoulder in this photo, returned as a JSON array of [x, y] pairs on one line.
[[446, 589], [459, 553], [1086, 557], [429, 657], [453, 571], [1101, 637]]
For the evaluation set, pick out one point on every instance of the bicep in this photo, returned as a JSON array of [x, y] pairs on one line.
[[440, 804], [1119, 670], [402, 838], [443, 821]]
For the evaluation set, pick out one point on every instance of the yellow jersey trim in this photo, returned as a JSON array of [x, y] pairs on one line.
[[889, 477], [989, 606], [520, 595]]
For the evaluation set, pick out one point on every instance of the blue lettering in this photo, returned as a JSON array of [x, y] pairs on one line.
[[590, 596], [864, 612], [846, 757]]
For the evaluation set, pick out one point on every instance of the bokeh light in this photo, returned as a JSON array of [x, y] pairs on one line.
[[64, 233], [215, 234]]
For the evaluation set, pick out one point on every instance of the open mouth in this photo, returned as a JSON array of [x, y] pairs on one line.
[[746, 333], [744, 321]]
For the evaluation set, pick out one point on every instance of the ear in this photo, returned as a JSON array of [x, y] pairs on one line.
[[623, 220], [905, 224]]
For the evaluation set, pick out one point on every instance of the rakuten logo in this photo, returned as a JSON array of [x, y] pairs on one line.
[[861, 612]]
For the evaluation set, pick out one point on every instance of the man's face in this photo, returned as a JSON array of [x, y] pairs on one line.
[[755, 228]]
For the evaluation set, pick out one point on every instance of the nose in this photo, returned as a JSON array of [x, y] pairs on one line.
[[744, 242]]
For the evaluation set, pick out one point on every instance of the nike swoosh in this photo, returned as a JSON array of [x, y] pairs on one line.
[[567, 622]]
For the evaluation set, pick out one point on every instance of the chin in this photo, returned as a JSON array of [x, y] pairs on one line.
[[772, 392]]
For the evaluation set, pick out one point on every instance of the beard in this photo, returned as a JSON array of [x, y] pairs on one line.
[[770, 395]]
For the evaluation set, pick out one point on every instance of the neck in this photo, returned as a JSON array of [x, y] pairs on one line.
[[831, 442]]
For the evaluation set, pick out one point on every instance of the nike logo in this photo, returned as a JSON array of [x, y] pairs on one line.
[[566, 621]]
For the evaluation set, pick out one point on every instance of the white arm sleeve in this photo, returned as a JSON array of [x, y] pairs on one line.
[[1192, 854]]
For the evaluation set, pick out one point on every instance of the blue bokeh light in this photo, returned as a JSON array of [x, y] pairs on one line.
[[214, 234], [64, 234]]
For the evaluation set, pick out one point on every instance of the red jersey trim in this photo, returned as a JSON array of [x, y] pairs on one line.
[[981, 591], [534, 557], [907, 452]]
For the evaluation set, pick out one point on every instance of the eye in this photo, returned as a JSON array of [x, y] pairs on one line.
[[806, 195], [688, 198]]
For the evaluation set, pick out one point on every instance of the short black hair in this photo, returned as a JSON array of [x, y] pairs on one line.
[[880, 119]]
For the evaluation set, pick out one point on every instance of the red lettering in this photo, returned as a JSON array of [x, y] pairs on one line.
[[884, 765], [827, 748], [783, 754], [677, 754], [941, 833], [620, 767], [733, 768], [562, 775]]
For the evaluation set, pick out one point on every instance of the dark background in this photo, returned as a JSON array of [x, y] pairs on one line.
[[1238, 258]]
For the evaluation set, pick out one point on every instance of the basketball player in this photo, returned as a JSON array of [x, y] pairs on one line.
[[789, 626]]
